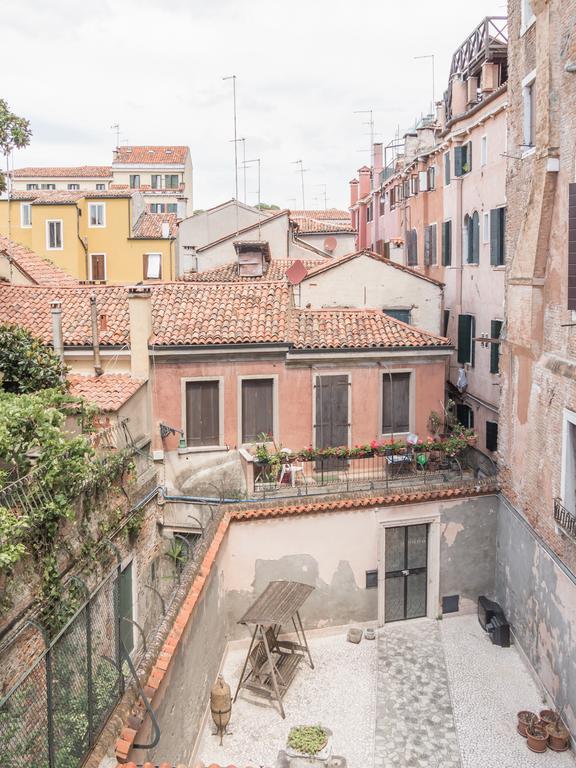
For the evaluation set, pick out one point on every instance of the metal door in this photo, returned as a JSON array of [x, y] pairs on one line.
[[332, 421], [406, 556]]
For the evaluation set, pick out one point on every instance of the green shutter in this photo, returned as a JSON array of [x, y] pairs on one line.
[[464, 338], [447, 168], [475, 238], [426, 245], [446, 243], [495, 330], [494, 237], [469, 156], [458, 160]]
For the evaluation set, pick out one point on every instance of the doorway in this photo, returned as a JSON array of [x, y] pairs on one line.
[[406, 572]]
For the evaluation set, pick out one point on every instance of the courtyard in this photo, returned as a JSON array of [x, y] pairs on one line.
[[434, 694]]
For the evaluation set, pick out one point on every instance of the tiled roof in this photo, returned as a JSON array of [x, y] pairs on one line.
[[330, 214], [149, 225], [151, 154], [325, 266], [229, 272], [64, 196], [182, 313], [109, 391], [331, 220], [40, 271], [77, 172], [355, 329]]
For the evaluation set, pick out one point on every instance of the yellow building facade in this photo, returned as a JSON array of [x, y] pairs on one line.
[[98, 236]]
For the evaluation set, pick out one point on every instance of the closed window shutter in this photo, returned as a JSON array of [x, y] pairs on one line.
[[491, 435], [469, 156], [427, 246], [495, 331], [475, 238], [396, 403], [446, 243], [494, 237], [447, 168], [465, 335], [433, 239], [202, 413], [257, 409], [458, 160]]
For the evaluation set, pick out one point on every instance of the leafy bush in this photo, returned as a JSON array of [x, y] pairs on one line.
[[26, 363], [307, 739]]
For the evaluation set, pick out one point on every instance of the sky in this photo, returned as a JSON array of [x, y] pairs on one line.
[[156, 67]]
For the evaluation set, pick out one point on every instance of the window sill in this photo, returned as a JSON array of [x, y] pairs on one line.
[[498, 267], [55, 249], [203, 449], [395, 435], [96, 226], [525, 27], [528, 152]]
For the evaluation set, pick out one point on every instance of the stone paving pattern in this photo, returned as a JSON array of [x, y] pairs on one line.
[[414, 720]]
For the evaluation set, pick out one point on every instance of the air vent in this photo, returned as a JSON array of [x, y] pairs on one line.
[[451, 604]]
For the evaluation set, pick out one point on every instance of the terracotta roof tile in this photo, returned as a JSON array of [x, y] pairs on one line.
[[144, 155], [331, 220], [64, 196], [355, 329], [149, 225], [40, 271], [109, 391], [330, 214], [229, 272], [76, 172]]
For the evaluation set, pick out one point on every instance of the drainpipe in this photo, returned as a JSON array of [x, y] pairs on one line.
[[57, 338], [95, 337]]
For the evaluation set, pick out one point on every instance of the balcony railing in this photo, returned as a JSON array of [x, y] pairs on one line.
[[565, 519], [390, 472]]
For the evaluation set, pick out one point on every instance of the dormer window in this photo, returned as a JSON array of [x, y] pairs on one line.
[[253, 258]]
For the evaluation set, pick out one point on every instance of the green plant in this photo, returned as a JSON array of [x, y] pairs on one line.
[[308, 739], [15, 133], [26, 363], [176, 553], [434, 422]]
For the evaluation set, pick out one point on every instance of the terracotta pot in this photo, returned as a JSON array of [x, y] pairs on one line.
[[525, 718], [558, 737], [537, 738], [548, 716]]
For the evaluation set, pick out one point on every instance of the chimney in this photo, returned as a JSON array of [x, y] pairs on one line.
[[459, 95], [353, 192], [165, 230], [95, 335], [378, 164], [441, 114], [471, 91], [489, 77], [57, 337], [140, 310], [364, 174]]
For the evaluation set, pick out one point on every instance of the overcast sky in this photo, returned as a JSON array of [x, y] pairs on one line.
[[75, 68]]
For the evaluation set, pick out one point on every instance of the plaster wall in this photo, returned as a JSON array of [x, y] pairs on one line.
[[345, 242], [61, 182]]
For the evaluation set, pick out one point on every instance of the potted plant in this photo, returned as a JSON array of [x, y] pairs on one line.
[[537, 737], [558, 736], [525, 719], [312, 742]]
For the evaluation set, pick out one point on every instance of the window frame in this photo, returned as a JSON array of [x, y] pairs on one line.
[[495, 347], [146, 258], [132, 176], [484, 150], [526, 21], [31, 186], [221, 404], [48, 246], [98, 253], [100, 187], [529, 119], [431, 245], [92, 206], [411, 401], [447, 252], [156, 176], [171, 176], [275, 412], [472, 343], [568, 468], [488, 447], [28, 207], [388, 311], [73, 187]]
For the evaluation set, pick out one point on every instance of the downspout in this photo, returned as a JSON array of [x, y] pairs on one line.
[[459, 243], [82, 243], [95, 337]]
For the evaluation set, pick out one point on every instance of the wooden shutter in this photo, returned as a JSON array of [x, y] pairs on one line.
[[572, 246], [468, 158], [395, 402], [475, 225], [427, 246], [447, 168], [491, 435], [257, 409], [458, 160], [495, 330], [446, 321], [465, 343], [447, 243], [98, 270], [202, 413], [332, 418]]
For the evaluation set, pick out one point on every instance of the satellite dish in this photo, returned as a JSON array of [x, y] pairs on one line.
[[330, 244]]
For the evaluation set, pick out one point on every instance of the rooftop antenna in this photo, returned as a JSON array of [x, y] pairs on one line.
[[369, 122], [431, 56], [233, 78], [243, 140], [249, 162], [323, 188], [116, 129], [301, 171]]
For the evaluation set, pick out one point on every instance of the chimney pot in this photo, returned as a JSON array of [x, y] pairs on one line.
[[57, 336]]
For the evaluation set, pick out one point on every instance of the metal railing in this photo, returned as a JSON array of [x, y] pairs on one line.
[[565, 519]]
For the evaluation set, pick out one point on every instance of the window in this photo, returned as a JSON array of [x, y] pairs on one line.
[[529, 100], [405, 190], [414, 184], [466, 330], [395, 403], [54, 238], [369, 210], [73, 186], [202, 413], [134, 181], [568, 481], [156, 181], [446, 320], [446, 243], [381, 204], [47, 186], [528, 16], [31, 186], [171, 207], [465, 415], [431, 177], [412, 243], [96, 215], [497, 236], [430, 244], [484, 150], [152, 266], [97, 266], [156, 207], [472, 238], [495, 331], [399, 314], [25, 215], [491, 435], [463, 159], [257, 408], [485, 227], [447, 168], [100, 187], [171, 181], [423, 181]]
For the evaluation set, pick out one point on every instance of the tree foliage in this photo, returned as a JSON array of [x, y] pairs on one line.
[[15, 133], [26, 363]]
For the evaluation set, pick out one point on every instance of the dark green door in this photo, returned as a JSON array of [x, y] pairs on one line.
[[406, 553]]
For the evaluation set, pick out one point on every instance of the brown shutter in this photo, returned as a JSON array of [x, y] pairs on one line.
[[572, 246], [257, 409], [396, 403], [98, 272], [202, 413]]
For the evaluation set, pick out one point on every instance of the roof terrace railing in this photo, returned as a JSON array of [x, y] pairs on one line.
[[487, 41], [565, 519]]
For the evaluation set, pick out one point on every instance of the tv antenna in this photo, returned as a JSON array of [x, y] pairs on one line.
[[301, 171]]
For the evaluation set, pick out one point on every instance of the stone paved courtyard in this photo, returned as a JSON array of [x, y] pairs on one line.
[[425, 694]]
